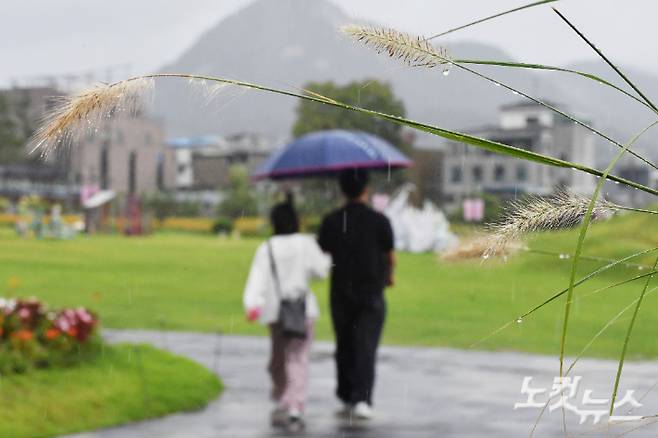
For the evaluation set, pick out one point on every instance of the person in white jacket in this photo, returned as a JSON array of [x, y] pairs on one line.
[[297, 259]]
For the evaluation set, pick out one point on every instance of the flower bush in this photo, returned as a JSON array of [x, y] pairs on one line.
[[33, 336]]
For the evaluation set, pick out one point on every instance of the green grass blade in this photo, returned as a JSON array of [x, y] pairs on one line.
[[605, 58], [532, 66], [478, 142], [628, 338], [461, 66], [581, 240], [555, 110], [589, 257], [580, 355], [637, 210], [603, 329], [500, 14], [563, 291], [651, 273]]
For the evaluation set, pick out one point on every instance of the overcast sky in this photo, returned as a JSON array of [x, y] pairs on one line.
[[40, 37]]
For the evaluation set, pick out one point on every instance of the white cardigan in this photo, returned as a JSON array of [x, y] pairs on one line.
[[298, 260]]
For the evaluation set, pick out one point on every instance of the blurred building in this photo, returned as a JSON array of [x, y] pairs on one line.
[[632, 169], [427, 171], [202, 163], [469, 170], [20, 173], [125, 155]]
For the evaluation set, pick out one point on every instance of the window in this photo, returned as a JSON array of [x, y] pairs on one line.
[[147, 139], [521, 173], [499, 172], [132, 172], [159, 174], [104, 167], [477, 174], [532, 121], [456, 174], [120, 137]]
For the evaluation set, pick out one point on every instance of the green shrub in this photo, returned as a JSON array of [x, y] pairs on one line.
[[222, 225]]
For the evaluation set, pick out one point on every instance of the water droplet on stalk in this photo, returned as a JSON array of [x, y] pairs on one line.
[[519, 320], [446, 72]]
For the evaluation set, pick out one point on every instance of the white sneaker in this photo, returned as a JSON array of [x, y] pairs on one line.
[[295, 422], [362, 411]]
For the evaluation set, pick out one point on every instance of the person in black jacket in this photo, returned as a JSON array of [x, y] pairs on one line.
[[360, 241]]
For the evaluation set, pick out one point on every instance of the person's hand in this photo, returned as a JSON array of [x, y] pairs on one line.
[[253, 314]]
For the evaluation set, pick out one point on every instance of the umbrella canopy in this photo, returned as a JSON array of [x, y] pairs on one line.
[[323, 153]]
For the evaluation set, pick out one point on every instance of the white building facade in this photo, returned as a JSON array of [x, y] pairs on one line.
[[468, 170]]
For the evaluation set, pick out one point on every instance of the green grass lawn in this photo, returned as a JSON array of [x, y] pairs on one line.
[[194, 282], [127, 383]]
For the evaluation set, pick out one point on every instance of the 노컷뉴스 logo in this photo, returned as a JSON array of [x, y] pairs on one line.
[[564, 394]]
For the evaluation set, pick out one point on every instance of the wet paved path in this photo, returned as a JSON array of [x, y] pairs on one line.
[[421, 392]]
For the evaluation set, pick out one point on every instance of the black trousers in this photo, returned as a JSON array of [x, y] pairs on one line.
[[358, 327]]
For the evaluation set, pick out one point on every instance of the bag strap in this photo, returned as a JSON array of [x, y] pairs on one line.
[[275, 274]]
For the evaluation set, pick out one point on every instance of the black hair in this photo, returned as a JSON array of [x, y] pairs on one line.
[[353, 182], [283, 218]]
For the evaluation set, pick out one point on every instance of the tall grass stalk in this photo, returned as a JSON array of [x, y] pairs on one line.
[[58, 136], [627, 339], [491, 17], [581, 240], [415, 52], [83, 111], [607, 60]]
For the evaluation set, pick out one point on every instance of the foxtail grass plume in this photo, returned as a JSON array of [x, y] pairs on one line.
[[563, 210], [76, 115], [208, 90], [414, 51]]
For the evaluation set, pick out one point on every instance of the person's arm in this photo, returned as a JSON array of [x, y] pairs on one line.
[[324, 239], [387, 240], [254, 291], [318, 262], [390, 281]]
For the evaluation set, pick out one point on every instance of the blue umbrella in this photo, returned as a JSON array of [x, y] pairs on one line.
[[324, 153]]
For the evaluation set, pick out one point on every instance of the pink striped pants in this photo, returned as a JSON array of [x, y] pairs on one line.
[[288, 367]]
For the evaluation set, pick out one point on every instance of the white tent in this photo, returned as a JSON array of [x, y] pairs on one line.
[[418, 230]]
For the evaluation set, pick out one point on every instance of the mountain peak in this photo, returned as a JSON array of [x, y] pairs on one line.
[[288, 43]]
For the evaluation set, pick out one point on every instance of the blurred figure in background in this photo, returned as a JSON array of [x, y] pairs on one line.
[[360, 241], [282, 270]]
